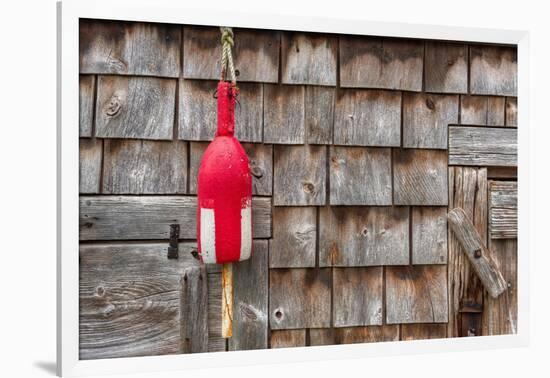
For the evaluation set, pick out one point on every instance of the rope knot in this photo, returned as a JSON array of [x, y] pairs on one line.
[[227, 36], [227, 57]]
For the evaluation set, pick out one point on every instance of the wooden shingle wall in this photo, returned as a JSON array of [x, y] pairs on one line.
[[358, 147]]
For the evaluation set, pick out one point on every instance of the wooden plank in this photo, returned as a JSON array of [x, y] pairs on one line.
[[288, 338], [308, 58], [422, 331], [500, 316], [479, 255], [357, 296], [360, 176], [299, 298], [129, 48], [89, 165], [135, 107], [493, 70], [256, 54], [130, 300], [420, 177], [381, 63], [249, 112], [196, 150], [502, 172], [299, 176], [503, 210], [216, 343], [194, 310], [482, 110], [284, 114], [429, 235], [367, 118], [482, 146], [416, 294], [294, 237], [354, 335], [446, 67], [363, 236], [467, 190], [511, 111], [86, 95], [426, 118], [150, 217], [319, 110], [144, 167], [250, 323]]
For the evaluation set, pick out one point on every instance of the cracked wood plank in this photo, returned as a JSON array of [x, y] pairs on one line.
[[493, 70], [446, 67], [89, 165]]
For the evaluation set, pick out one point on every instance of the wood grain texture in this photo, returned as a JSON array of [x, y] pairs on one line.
[[130, 300], [422, 331], [360, 176], [150, 217], [250, 305], [319, 114], [493, 70], [482, 110], [357, 296], [363, 236], [354, 335], [299, 177], [381, 63], [135, 107], [284, 114], [308, 58], [426, 118], [502, 172], [416, 294], [86, 95], [429, 235], [294, 237], [367, 118], [482, 146], [299, 298], [89, 165], [446, 67], [288, 338], [511, 111], [420, 177], [194, 310], [503, 210], [129, 48], [256, 54], [144, 167], [216, 343]]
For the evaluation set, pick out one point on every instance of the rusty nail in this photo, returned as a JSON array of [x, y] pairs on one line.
[[477, 253]]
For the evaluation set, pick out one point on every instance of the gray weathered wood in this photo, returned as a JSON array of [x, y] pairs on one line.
[[482, 110], [256, 54], [360, 176], [135, 107], [483, 146], [363, 236], [429, 235], [416, 294], [86, 104], [129, 48], [512, 111], [299, 177], [130, 300], [150, 217], [426, 118], [381, 63], [478, 254], [216, 343], [299, 298], [357, 296], [308, 58], [284, 114], [144, 167], [420, 177], [288, 338], [422, 331], [354, 335], [367, 118], [503, 210], [89, 165], [446, 67], [294, 237], [194, 310], [493, 70], [319, 114], [196, 150], [250, 311]]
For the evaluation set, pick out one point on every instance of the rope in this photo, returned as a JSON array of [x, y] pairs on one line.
[[227, 57]]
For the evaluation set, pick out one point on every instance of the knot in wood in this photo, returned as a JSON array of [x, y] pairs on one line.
[[113, 107], [255, 169], [278, 314], [430, 103], [477, 253], [308, 188]]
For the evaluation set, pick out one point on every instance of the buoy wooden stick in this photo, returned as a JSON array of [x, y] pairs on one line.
[[227, 300]]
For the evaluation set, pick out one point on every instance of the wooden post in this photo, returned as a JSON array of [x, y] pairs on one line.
[[227, 300], [476, 251]]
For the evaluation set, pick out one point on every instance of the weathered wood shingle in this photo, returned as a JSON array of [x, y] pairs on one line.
[[354, 335], [284, 114], [429, 235], [503, 209], [86, 95], [493, 70], [446, 67], [319, 114], [482, 110], [423, 331], [89, 165], [512, 111], [288, 338], [194, 310]]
